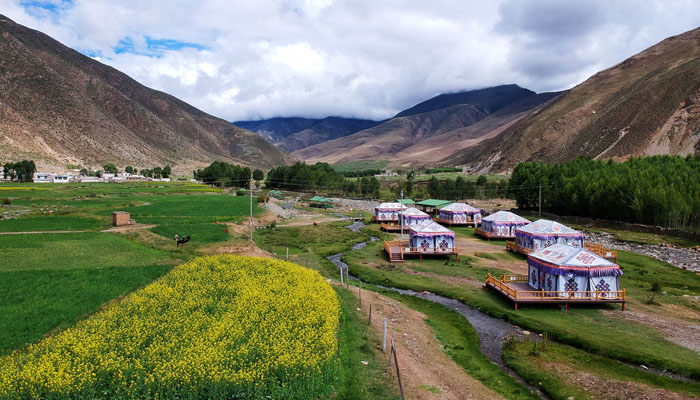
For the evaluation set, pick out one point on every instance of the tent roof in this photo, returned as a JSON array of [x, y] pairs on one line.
[[547, 227], [320, 199], [430, 227], [406, 201], [460, 208], [414, 212], [505, 216], [390, 206], [433, 203], [570, 256]]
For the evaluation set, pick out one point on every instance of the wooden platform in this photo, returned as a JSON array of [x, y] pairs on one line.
[[391, 227], [515, 288], [489, 235], [398, 249]]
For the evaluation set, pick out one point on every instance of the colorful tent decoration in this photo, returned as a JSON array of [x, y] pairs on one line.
[[431, 237], [562, 268], [413, 216], [460, 214], [502, 224], [544, 233], [320, 202], [388, 212]]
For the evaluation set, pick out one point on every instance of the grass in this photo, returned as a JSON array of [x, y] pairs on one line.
[[39, 301], [594, 331], [360, 165], [54, 251], [540, 366], [358, 381], [53, 223], [201, 233], [461, 343]]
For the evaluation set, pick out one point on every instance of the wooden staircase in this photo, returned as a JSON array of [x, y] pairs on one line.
[[394, 251]]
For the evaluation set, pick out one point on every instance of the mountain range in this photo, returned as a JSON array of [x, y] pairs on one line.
[[296, 133], [59, 107]]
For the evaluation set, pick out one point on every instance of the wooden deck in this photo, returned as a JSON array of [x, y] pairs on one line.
[[391, 227], [515, 288], [594, 248], [398, 249], [489, 235]]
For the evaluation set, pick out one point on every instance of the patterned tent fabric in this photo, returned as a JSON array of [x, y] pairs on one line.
[[505, 217], [414, 212], [562, 259], [460, 208], [384, 207], [430, 228], [545, 227]]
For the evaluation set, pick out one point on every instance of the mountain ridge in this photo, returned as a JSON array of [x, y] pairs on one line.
[[58, 106]]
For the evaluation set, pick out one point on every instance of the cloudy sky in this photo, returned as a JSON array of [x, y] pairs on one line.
[[355, 58]]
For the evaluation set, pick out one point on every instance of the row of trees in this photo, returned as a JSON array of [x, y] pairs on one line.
[[659, 190], [320, 177], [224, 174], [364, 172], [109, 168], [22, 171], [460, 188]]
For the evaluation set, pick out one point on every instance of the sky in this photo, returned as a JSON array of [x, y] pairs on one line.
[[354, 58]]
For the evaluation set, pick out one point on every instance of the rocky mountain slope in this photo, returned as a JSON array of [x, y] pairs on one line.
[[430, 131], [58, 107], [648, 104], [296, 133]]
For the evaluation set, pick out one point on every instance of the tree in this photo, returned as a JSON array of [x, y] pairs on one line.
[[166, 171], [481, 180], [110, 168], [129, 169], [258, 175]]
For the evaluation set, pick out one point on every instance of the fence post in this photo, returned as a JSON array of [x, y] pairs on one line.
[[359, 290], [384, 339], [287, 253], [398, 374], [341, 277], [369, 320]]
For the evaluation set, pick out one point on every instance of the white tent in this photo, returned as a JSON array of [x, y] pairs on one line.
[[431, 237], [502, 224], [388, 212], [413, 216], [544, 233], [460, 213], [562, 268]]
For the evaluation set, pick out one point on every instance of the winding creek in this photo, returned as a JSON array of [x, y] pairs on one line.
[[492, 331]]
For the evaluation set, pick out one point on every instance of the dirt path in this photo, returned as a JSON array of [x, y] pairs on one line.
[[120, 229], [426, 371], [311, 220]]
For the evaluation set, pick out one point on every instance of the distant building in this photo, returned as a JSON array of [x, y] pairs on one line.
[[61, 178], [386, 173], [43, 177]]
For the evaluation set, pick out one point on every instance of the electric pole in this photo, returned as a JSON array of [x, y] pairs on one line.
[[401, 208], [250, 194]]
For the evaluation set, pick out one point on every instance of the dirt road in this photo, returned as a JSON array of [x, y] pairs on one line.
[[426, 371]]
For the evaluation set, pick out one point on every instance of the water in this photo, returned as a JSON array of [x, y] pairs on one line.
[[492, 332]]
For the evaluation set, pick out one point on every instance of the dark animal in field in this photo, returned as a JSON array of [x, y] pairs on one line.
[[315, 224], [181, 242]]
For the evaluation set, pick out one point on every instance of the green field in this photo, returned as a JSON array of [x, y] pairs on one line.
[[53, 279], [352, 166]]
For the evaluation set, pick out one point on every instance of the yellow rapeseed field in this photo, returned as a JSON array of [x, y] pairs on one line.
[[215, 327]]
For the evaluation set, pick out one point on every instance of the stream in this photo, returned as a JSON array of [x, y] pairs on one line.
[[492, 331]]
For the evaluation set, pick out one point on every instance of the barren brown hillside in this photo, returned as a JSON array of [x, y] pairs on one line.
[[426, 138], [648, 104], [58, 106]]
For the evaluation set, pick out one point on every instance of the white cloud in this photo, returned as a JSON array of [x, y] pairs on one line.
[[362, 58]]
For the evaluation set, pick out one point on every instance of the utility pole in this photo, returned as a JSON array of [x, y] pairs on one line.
[[250, 194], [540, 214], [401, 209]]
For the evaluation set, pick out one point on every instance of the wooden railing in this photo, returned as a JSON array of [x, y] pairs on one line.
[[601, 251], [510, 245], [569, 295]]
